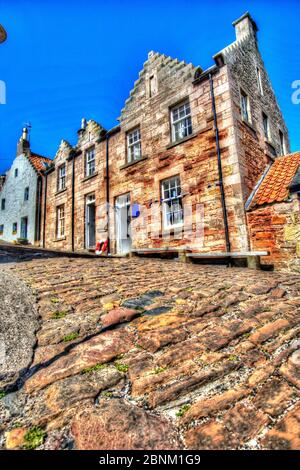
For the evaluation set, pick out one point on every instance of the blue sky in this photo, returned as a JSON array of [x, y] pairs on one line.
[[65, 60]]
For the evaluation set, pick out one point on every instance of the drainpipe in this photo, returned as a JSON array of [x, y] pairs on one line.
[[107, 193], [45, 210], [73, 202], [221, 185], [38, 210]]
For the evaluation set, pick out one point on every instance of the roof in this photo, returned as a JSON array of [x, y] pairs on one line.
[[38, 160], [275, 185]]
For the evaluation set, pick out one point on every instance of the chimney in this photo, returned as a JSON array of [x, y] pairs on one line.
[[23, 144], [245, 26], [83, 123]]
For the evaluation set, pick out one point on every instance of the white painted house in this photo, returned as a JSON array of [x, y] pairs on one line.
[[21, 195]]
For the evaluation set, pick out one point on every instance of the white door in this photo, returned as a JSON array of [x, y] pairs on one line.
[[123, 219], [90, 222]]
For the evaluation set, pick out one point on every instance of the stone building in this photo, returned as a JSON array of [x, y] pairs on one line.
[[177, 170], [21, 195], [273, 213]]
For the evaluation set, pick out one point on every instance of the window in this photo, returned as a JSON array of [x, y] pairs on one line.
[[1, 229], [90, 162], [61, 182], [14, 228], [245, 105], [16, 172], [3, 204], [134, 145], [282, 143], [266, 126], [152, 85], [181, 121], [259, 81], [26, 193], [172, 202], [60, 221]]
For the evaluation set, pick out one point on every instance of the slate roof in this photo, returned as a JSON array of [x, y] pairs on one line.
[[275, 185]]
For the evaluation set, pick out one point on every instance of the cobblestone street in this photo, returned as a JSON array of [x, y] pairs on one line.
[[157, 354]]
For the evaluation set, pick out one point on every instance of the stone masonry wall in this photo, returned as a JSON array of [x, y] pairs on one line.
[[276, 228], [195, 160], [243, 60]]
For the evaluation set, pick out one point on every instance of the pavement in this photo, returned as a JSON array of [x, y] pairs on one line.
[[156, 354]]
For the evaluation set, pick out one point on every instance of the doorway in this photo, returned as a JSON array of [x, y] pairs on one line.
[[123, 219], [24, 227], [90, 222]]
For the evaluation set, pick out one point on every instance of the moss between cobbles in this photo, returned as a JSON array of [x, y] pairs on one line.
[[57, 315], [158, 370], [70, 337], [121, 367], [88, 370], [182, 410], [34, 438], [2, 394], [54, 300]]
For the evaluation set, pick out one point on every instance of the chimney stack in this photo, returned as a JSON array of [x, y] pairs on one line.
[[245, 26], [83, 123], [23, 144]]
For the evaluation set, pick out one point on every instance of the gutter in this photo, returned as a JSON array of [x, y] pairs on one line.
[[221, 184]]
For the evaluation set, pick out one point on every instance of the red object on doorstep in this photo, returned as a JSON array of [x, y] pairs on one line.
[[101, 247]]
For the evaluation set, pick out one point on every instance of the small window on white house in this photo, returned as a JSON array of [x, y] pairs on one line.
[[26, 193], [172, 202], [134, 145], [14, 228], [61, 182], [3, 204], [90, 162], [60, 221], [266, 126], [16, 172], [245, 105], [282, 143], [181, 121], [1, 229], [259, 81]]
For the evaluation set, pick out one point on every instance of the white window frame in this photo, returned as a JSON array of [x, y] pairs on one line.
[[60, 221], [245, 107], [134, 145], [171, 195], [181, 121], [90, 162], [282, 142], [266, 128], [61, 182], [259, 81]]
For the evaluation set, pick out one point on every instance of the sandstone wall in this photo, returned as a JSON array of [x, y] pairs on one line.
[[276, 228]]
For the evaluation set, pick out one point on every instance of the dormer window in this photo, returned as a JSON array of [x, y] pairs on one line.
[[134, 145], [90, 163], [181, 121], [61, 182]]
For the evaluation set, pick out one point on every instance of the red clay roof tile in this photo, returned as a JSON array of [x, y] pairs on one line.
[[38, 160], [275, 185]]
